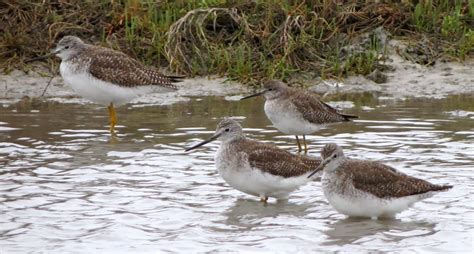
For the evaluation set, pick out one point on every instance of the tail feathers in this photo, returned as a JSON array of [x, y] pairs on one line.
[[174, 78], [168, 81], [431, 191], [154, 77], [348, 117], [345, 116], [442, 187]]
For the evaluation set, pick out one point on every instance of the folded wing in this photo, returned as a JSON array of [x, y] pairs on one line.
[[386, 182], [118, 68]]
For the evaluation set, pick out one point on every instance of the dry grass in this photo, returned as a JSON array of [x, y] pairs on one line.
[[266, 40], [244, 40]]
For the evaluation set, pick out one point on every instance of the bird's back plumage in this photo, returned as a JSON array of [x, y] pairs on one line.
[[386, 182], [316, 111], [273, 160], [118, 68]]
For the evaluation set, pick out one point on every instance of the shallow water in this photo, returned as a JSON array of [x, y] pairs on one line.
[[66, 188]]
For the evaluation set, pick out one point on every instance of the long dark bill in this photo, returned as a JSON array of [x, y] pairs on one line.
[[202, 143], [252, 95], [320, 167], [39, 57]]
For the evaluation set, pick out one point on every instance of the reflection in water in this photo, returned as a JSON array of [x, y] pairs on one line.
[[249, 213], [66, 187], [354, 230]]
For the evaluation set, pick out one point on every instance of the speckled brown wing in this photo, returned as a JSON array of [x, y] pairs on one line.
[[386, 182], [316, 111], [118, 68], [276, 161]]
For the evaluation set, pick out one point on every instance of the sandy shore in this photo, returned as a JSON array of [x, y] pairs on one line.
[[410, 80], [406, 80]]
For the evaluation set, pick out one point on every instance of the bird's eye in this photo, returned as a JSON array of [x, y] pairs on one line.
[[335, 156], [227, 130], [67, 47], [270, 89]]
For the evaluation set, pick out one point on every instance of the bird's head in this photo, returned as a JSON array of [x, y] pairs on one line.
[[271, 89], [332, 157], [68, 47], [227, 129]]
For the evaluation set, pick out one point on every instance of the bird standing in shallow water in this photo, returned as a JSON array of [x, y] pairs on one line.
[[297, 112], [362, 188], [106, 76], [256, 168]]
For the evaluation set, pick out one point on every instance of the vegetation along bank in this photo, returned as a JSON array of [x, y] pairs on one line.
[[244, 40]]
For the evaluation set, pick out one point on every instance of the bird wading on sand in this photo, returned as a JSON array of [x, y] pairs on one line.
[[297, 112], [107, 76], [362, 188], [256, 168]]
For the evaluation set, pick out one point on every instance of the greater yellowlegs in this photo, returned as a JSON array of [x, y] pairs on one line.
[[362, 188], [107, 76], [297, 112], [256, 168]]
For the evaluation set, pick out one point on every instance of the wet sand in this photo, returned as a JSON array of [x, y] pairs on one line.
[[404, 79]]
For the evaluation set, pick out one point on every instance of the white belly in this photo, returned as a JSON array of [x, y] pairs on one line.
[[371, 207], [361, 204], [257, 183], [100, 91], [287, 120]]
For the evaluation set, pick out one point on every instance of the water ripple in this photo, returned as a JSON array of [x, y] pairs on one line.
[[68, 188]]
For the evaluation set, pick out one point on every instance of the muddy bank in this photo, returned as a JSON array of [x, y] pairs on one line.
[[409, 80], [405, 80], [401, 78]]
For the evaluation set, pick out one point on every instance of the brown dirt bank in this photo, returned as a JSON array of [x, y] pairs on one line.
[[243, 40], [406, 79]]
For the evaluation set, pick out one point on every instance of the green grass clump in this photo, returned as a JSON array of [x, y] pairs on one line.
[[245, 40], [31, 28], [264, 39], [448, 22]]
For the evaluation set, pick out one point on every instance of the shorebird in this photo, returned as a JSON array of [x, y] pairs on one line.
[[297, 112], [107, 76], [256, 168], [361, 188]]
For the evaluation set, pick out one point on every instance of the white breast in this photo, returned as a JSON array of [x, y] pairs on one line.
[[287, 119]]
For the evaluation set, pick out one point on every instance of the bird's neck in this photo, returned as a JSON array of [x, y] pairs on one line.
[[335, 168], [240, 137]]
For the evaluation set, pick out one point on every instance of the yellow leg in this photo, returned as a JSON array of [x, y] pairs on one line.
[[305, 146], [299, 145], [112, 118]]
